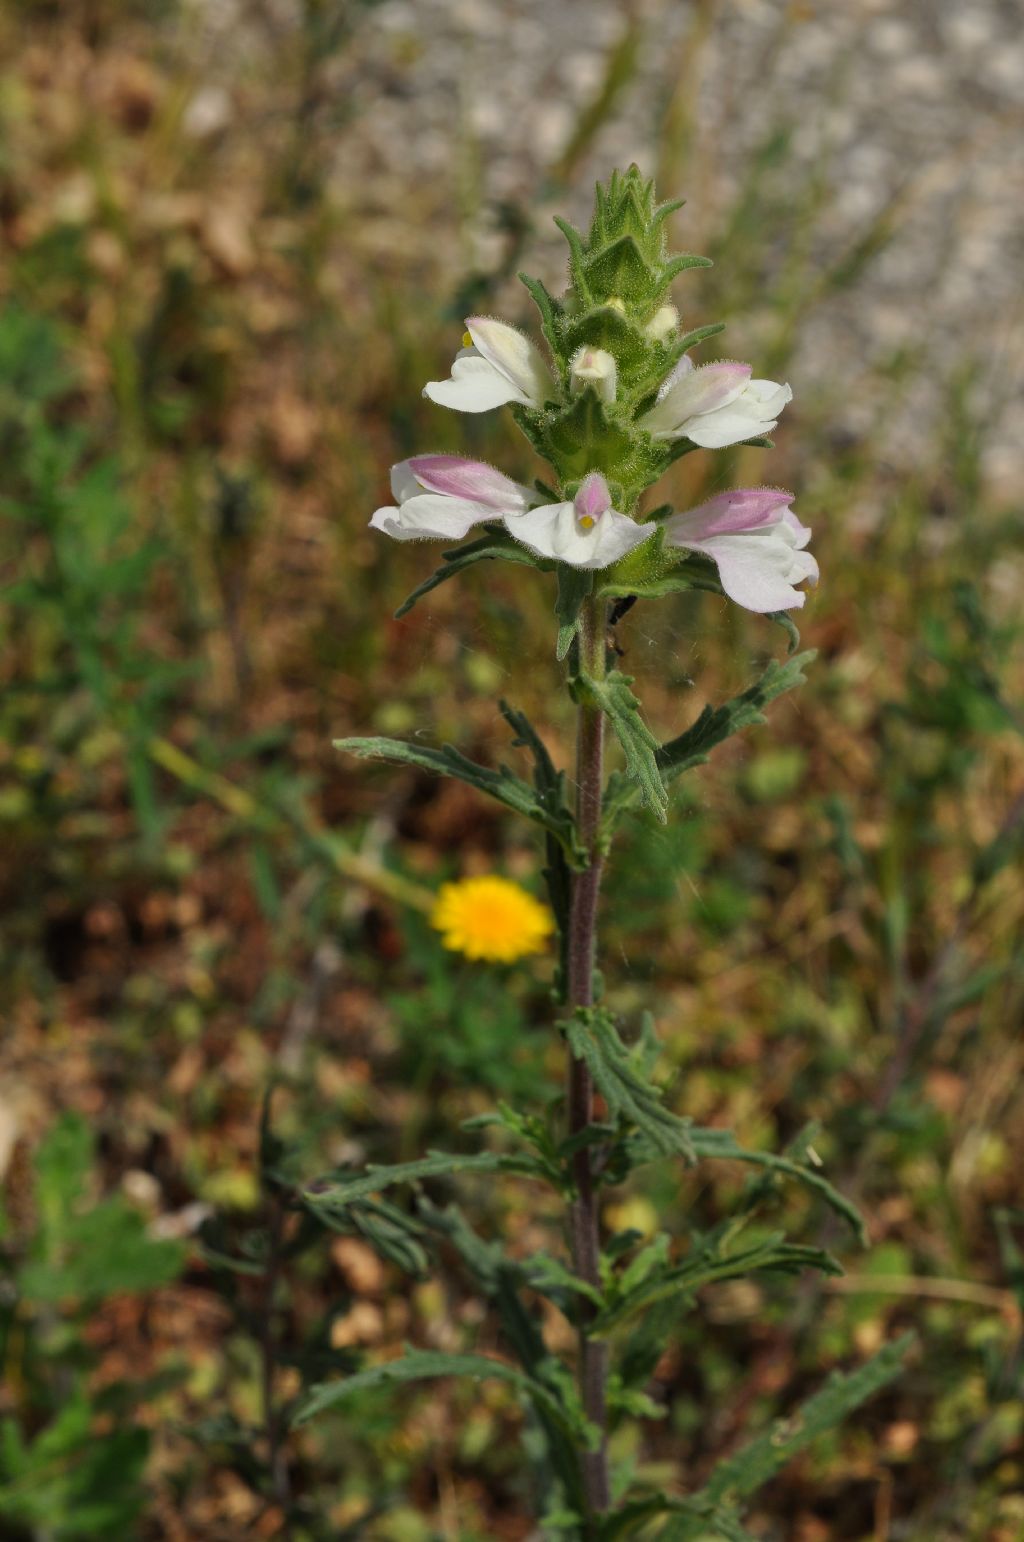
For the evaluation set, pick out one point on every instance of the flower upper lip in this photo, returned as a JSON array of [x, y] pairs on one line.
[[501, 366]]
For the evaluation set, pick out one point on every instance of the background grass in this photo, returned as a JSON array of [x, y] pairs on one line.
[[236, 242]]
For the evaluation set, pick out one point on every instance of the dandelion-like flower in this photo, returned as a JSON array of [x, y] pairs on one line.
[[491, 918]]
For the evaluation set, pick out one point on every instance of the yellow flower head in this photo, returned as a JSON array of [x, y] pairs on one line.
[[491, 918]]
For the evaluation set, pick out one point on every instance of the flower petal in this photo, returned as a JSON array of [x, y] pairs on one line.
[[754, 412], [403, 482], [593, 497], [756, 542], [431, 516], [457, 477], [751, 573], [514, 357], [743, 508], [555, 530], [475, 386], [688, 393]]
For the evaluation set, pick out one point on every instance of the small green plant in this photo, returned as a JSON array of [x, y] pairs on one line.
[[72, 1457]]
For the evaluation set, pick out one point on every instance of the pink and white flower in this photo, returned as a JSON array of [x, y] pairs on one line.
[[715, 405], [586, 533], [497, 365], [756, 542], [441, 497]]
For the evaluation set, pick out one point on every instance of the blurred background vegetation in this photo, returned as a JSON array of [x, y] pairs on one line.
[[237, 237]]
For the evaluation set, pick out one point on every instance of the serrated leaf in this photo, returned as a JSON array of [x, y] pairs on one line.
[[743, 1474], [714, 725], [436, 1164], [680, 1283], [722, 1145], [593, 1037], [494, 546], [614, 697], [502, 785], [531, 1129], [427, 1365]]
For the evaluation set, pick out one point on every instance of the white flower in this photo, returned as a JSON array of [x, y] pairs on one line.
[[587, 533], [756, 542], [715, 405], [596, 367], [442, 497], [497, 365]]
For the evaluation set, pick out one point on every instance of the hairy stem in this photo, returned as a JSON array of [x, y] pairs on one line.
[[583, 1220]]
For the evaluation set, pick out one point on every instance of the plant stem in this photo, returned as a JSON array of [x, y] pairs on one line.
[[583, 1220]]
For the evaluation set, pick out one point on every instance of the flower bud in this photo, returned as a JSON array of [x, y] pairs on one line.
[[662, 324], [596, 367]]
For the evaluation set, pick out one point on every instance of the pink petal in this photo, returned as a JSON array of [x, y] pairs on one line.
[[458, 477], [745, 508], [593, 497]]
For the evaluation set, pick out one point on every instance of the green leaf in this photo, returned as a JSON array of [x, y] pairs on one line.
[[501, 1279], [680, 1283], [436, 1164], [574, 586], [427, 1365], [701, 1521], [614, 697], [680, 264], [712, 727], [495, 545], [722, 1145], [553, 796], [502, 785], [617, 1073], [529, 1128], [577, 257], [743, 1474], [550, 309]]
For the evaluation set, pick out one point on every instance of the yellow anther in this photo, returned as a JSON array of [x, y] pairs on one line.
[[467, 341], [586, 522]]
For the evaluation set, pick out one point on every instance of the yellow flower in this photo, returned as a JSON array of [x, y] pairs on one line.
[[491, 918]]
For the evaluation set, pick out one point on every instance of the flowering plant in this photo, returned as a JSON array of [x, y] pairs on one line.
[[616, 401]]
